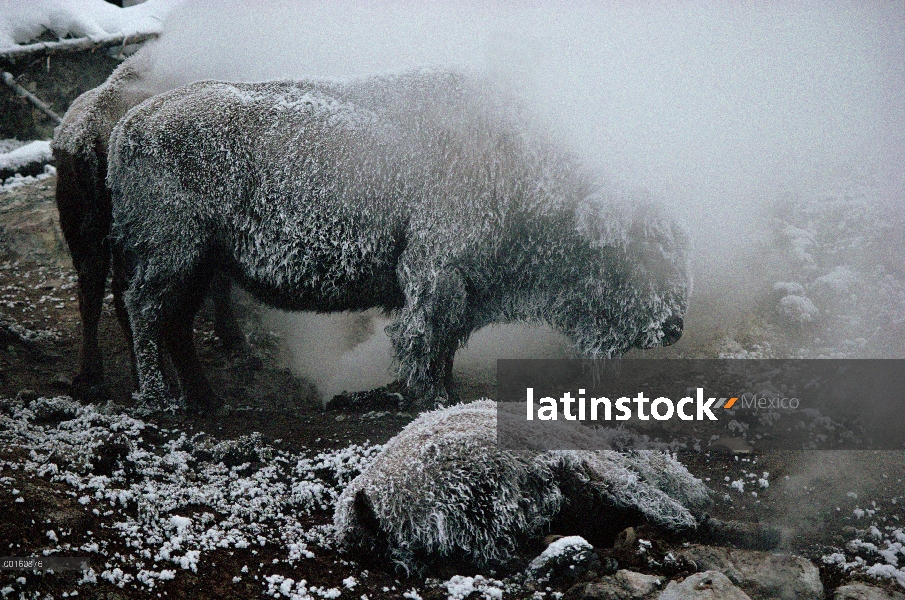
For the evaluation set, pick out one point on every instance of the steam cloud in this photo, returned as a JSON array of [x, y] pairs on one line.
[[717, 110]]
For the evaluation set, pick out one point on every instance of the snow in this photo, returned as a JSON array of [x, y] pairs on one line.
[[881, 559], [459, 587], [265, 499], [23, 22], [32, 152], [17, 180]]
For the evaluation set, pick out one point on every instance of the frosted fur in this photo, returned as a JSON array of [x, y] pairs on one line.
[[418, 192], [443, 488], [83, 201], [91, 117]]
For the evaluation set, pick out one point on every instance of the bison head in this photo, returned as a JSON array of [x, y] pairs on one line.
[[630, 283]]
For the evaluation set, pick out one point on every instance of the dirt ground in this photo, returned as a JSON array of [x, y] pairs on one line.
[[38, 356]]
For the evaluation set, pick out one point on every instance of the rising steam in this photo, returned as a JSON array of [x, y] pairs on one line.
[[729, 114]]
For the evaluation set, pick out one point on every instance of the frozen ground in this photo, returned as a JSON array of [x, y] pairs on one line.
[[238, 505]]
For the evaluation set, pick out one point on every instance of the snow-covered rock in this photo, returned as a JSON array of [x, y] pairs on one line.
[[798, 309], [564, 560]]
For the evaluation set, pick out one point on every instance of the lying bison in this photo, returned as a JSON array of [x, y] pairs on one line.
[[83, 201], [416, 193], [443, 490]]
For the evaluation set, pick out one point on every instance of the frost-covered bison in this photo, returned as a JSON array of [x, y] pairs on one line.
[[83, 200], [417, 193], [443, 490]]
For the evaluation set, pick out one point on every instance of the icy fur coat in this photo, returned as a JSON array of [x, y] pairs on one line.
[[443, 489], [422, 193]]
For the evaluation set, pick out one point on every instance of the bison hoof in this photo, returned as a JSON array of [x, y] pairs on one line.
[[89, 388]]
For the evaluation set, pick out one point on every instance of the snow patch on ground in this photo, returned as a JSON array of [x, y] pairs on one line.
[[26, 154], [173, 497], [11, 183], [883, 557]]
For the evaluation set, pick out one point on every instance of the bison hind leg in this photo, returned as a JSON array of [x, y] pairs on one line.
[[83, 205], [226, 324], [427, 333], [187, 299]]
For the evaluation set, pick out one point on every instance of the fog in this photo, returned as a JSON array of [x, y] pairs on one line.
[[713, 108]]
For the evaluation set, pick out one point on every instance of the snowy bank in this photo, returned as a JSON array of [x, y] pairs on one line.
[[22, 22]]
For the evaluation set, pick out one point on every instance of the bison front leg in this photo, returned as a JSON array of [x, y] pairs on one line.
[[145, 304], [431, 327]]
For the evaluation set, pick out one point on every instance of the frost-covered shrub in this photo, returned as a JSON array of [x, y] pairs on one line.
[[53, 410], [421, 193], [444, 489], [786, 288], [798, 309]]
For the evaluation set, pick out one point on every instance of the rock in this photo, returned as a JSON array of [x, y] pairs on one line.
[[626, 540], [639, 584], [29, 225], [564, 561], [624, 585], [710, 585], [763, 575], [732, 445], [860, 591]]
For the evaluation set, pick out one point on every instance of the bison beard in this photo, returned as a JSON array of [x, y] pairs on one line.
[[419, 193]]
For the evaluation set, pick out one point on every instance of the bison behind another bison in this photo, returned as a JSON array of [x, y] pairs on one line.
[[83, 203], [419, 193]]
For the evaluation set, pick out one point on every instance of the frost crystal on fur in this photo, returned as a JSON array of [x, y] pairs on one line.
[[87, 124], [443, 488], [419, 192]]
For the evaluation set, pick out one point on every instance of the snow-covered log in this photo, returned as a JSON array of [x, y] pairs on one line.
[[420, 193], [83, 201], [78, 25], [40, 49], [443, 489]]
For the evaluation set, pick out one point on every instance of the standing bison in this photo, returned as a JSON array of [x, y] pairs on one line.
[[419, 193], [83, 202]]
